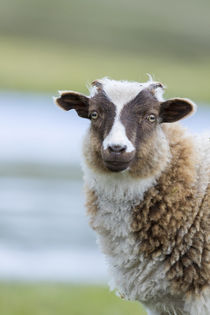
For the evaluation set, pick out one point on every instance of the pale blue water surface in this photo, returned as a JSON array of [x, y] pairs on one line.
[[44, 232]]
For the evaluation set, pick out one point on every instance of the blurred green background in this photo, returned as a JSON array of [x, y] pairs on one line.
[[62, 299], [48, 45]]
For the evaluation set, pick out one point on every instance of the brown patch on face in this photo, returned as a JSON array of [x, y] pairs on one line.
[[106, 113], [99, 128], [173, 220], [92, 152], [143, 133], [151, 157], [134, 116]]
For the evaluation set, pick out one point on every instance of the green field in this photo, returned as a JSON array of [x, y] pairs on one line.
[[38, 65], [178, 29], [60, 299], [50, 45]]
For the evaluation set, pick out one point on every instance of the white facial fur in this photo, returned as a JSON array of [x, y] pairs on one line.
[[120, 93], [117, 135]]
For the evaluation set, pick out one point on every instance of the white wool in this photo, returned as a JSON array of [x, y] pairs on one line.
[[93, 90], [122, 92], [117, 186], [117, 194], [199, 305]]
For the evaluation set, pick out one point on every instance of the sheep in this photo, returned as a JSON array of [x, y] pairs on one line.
[[147, 194]]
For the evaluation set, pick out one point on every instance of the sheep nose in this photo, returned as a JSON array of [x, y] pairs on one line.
[[117, 148]]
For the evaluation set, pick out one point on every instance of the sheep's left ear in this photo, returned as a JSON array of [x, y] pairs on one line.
[[175, 109], [73, 100]]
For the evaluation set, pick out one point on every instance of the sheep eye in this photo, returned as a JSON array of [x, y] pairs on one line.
[[151, 118], [94, 115]]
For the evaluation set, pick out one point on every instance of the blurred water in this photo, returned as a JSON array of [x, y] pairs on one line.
[[35, 214], [33, 128], [44, 233]]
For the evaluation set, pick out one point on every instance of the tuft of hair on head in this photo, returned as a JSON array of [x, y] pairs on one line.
[[94, 87], [96, 83], [157, 88], [150, 77]]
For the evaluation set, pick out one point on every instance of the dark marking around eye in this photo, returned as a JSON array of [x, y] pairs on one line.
[[106, 111], [151, 118], [135, 114], [94, 115]]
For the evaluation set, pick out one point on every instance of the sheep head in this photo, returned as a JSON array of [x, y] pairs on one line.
[[126, 119]]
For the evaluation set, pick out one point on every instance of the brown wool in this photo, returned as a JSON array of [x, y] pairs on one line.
[[158, 223]]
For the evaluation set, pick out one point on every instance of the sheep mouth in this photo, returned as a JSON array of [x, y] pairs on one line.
[[117, 166]]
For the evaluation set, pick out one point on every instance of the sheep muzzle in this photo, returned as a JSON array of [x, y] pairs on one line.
[[117, 159]]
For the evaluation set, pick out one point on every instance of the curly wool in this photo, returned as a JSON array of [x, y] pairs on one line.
[[173, 220], [167, 230]]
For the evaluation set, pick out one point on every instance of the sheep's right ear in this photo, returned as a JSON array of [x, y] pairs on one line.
[[73, 100]]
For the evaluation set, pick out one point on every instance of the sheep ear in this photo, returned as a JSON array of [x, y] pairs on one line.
[[73, 100], [175, 109]]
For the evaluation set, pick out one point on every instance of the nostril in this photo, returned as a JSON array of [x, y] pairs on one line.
[[117, 148]]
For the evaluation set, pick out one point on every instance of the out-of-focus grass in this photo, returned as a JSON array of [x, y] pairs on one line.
[[58, 299], [38, 65], [173, 28], [49, 45]]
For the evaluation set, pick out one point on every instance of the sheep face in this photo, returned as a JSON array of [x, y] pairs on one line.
[[126, 118], [120, 125]]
